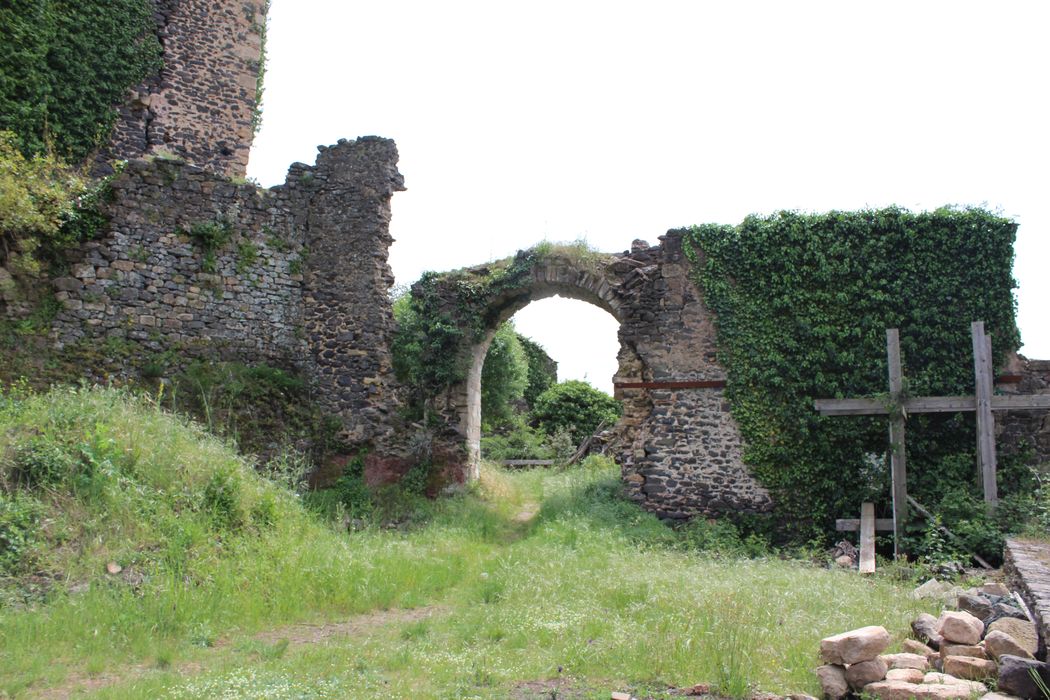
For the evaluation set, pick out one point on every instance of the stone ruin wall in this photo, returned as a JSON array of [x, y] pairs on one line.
[[200, 106], [679, 448], [682, 455], [1026, 430], [302, 282]]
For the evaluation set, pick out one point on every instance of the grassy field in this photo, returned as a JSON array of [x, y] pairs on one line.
[[532, 585]]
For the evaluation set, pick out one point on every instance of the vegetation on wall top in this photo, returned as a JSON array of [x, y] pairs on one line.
[[64, 65], [802, 305]]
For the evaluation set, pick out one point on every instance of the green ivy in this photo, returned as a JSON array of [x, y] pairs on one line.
[[64, 65], [449, 312], [802, 303]]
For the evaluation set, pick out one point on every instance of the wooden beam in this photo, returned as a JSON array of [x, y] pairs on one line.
[[853, 524], [898, 462], [982, 368], [867, 538], [1020, 402], [527, 462]]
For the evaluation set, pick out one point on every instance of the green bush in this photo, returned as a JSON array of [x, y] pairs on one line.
[[520, 442], [19, 519], [38, 196], [577, 407], [543, 371], [504, 378]]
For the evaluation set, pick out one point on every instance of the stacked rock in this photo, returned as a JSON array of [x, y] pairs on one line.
[[954, 653]]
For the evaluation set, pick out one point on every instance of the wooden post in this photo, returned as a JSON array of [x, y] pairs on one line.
[[867, 538], [982, 369], [898, 465]]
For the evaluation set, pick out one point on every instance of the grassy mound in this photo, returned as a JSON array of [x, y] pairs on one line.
[[232, 586]]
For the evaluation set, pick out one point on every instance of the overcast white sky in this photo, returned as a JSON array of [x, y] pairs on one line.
[[610, 121]]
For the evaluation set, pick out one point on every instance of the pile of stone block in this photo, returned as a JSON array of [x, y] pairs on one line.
[[987, 642]]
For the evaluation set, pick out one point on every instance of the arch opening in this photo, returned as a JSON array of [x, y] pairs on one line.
[[603, 338]]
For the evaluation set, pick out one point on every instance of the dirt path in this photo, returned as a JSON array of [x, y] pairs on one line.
[[527, 513], [297, 635]]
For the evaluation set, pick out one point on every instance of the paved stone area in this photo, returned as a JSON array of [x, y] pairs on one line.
[[1027, 564]]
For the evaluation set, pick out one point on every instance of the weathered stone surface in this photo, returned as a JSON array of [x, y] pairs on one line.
[[860, 674], [908, 675], [995, 588], [833, 681], [962, 650], [944, 678], [976, 605], [201, 106], [1015, 676], [900, 690], [960, 627], [912, 646], [999, 696], [998, 643], [906, 660], [1022, 632], [925, 628], [854, 646], [969, 667]]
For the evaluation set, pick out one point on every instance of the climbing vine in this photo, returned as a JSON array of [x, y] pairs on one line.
[[64, 65], [447, 313], [802, 303]]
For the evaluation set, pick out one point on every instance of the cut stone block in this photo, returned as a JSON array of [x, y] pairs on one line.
[[969, 668], [960, 627], [857, 645], [860, 674], [998, 643], [905, 660], [833, 681], [1022, 631]]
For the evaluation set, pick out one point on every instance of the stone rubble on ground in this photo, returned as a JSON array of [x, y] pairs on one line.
[[987, 641]]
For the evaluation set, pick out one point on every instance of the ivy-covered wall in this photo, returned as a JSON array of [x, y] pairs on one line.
[[65, 66], [120, 79], [802, 303]]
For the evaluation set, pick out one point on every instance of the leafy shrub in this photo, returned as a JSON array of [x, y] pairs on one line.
[[521, 442], [38, 195], [350, 488], [575, 406], [543, 371], [504, 378], [222, 500], [40, 462], [19, 517]]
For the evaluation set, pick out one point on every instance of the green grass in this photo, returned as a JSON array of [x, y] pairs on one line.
[[590, 585]]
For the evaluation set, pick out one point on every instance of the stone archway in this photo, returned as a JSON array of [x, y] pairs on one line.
[[557, 275], [680, 449]]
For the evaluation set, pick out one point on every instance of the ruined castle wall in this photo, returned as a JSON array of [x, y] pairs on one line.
[[300, 280], [348, 316], [201, 105], [148, 281], [1026, 430], [682, 457]]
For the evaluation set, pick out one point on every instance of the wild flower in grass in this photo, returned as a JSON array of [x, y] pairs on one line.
[[255, 684]]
